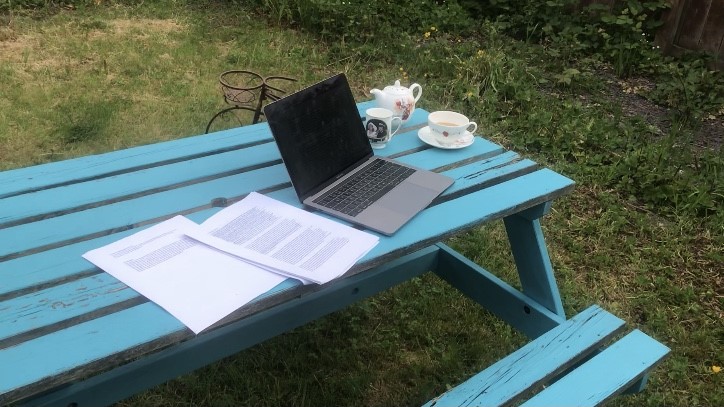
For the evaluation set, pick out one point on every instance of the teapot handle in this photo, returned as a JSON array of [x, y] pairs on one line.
[[412, 90]]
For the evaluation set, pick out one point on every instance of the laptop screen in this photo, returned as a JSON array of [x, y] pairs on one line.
[[319, 133]]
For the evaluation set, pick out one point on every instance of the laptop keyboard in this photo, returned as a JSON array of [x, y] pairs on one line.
[[365, 187]]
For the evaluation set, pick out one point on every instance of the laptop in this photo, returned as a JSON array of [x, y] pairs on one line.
[[333, 169]]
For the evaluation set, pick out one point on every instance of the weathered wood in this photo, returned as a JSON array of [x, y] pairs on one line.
[[28, 271], [421, 231], [605, 375], [118, 216], [51, 214], [532, 261], [692, 20], [60, 200], [712, 34], [84, 169], [538, 361], [495, 295], [693, 25], [110, 340]]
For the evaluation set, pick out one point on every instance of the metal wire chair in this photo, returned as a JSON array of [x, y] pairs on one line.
[[246, 92]]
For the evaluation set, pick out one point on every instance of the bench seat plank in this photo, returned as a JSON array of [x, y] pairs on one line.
[[536, 362], [605, 375]]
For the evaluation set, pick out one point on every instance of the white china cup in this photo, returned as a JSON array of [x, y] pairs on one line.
[[450, 128]]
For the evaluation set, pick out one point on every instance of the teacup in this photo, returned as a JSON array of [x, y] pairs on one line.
[[378, 124], [450, 128]]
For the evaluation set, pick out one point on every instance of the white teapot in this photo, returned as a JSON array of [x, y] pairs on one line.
[[399, 99]]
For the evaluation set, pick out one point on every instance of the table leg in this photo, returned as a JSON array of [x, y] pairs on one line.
[[531, 257], [495, 295]]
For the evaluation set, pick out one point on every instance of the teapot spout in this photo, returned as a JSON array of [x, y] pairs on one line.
[[376, 92]]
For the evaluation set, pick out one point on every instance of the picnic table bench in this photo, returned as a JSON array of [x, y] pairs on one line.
[[71, 334]]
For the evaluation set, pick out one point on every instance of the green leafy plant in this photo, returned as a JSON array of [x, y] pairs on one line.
[[359, 22], [689, 87], [620, 34], [627, 31], [568, 75], [671, 175]]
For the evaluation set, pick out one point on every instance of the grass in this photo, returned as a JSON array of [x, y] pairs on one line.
[[94, 79], [74, 78]]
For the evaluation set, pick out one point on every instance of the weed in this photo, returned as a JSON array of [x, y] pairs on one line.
[[86, 121], [620, 33], [93, 25], [691, 89]]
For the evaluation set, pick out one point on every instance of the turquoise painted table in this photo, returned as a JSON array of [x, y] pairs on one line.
[[70, 333]]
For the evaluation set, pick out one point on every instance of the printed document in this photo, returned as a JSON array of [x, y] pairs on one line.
[[285, 239], [196, 283]]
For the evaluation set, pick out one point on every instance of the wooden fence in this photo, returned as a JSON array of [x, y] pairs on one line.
[[694, 25], [689, 25]]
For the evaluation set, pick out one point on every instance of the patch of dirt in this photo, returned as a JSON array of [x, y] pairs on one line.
[[35, 52], [12, 44], [145, 24], [711, 134], [139, 29], [7, 34], [628, 94]]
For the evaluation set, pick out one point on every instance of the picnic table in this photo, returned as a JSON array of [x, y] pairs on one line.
[[70, 334]]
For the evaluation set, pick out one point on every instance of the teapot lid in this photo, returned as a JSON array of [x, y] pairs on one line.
[[396, 88]]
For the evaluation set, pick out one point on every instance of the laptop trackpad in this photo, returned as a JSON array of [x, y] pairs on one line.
[[407, 198]]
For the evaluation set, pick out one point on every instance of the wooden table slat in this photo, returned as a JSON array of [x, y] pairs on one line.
[[132, 184], [82, 344], [465, 211], [421, 230], [62, 263], [38, 177], [181, 200], [55, 304], [43, 267]]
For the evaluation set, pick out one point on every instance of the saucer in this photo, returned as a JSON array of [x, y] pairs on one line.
[[427, 138]]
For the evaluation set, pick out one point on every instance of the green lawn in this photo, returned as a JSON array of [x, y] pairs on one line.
[[641, 234]]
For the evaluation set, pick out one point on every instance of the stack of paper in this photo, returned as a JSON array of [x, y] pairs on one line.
[[201, 273]]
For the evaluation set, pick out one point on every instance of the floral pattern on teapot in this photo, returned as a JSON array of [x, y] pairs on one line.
[[404, 106]]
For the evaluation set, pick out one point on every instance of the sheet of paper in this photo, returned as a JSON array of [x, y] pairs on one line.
[[197, 284], [289, 240]]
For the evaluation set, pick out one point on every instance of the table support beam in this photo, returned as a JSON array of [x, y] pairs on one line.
[[495, 295], [531, 258]]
